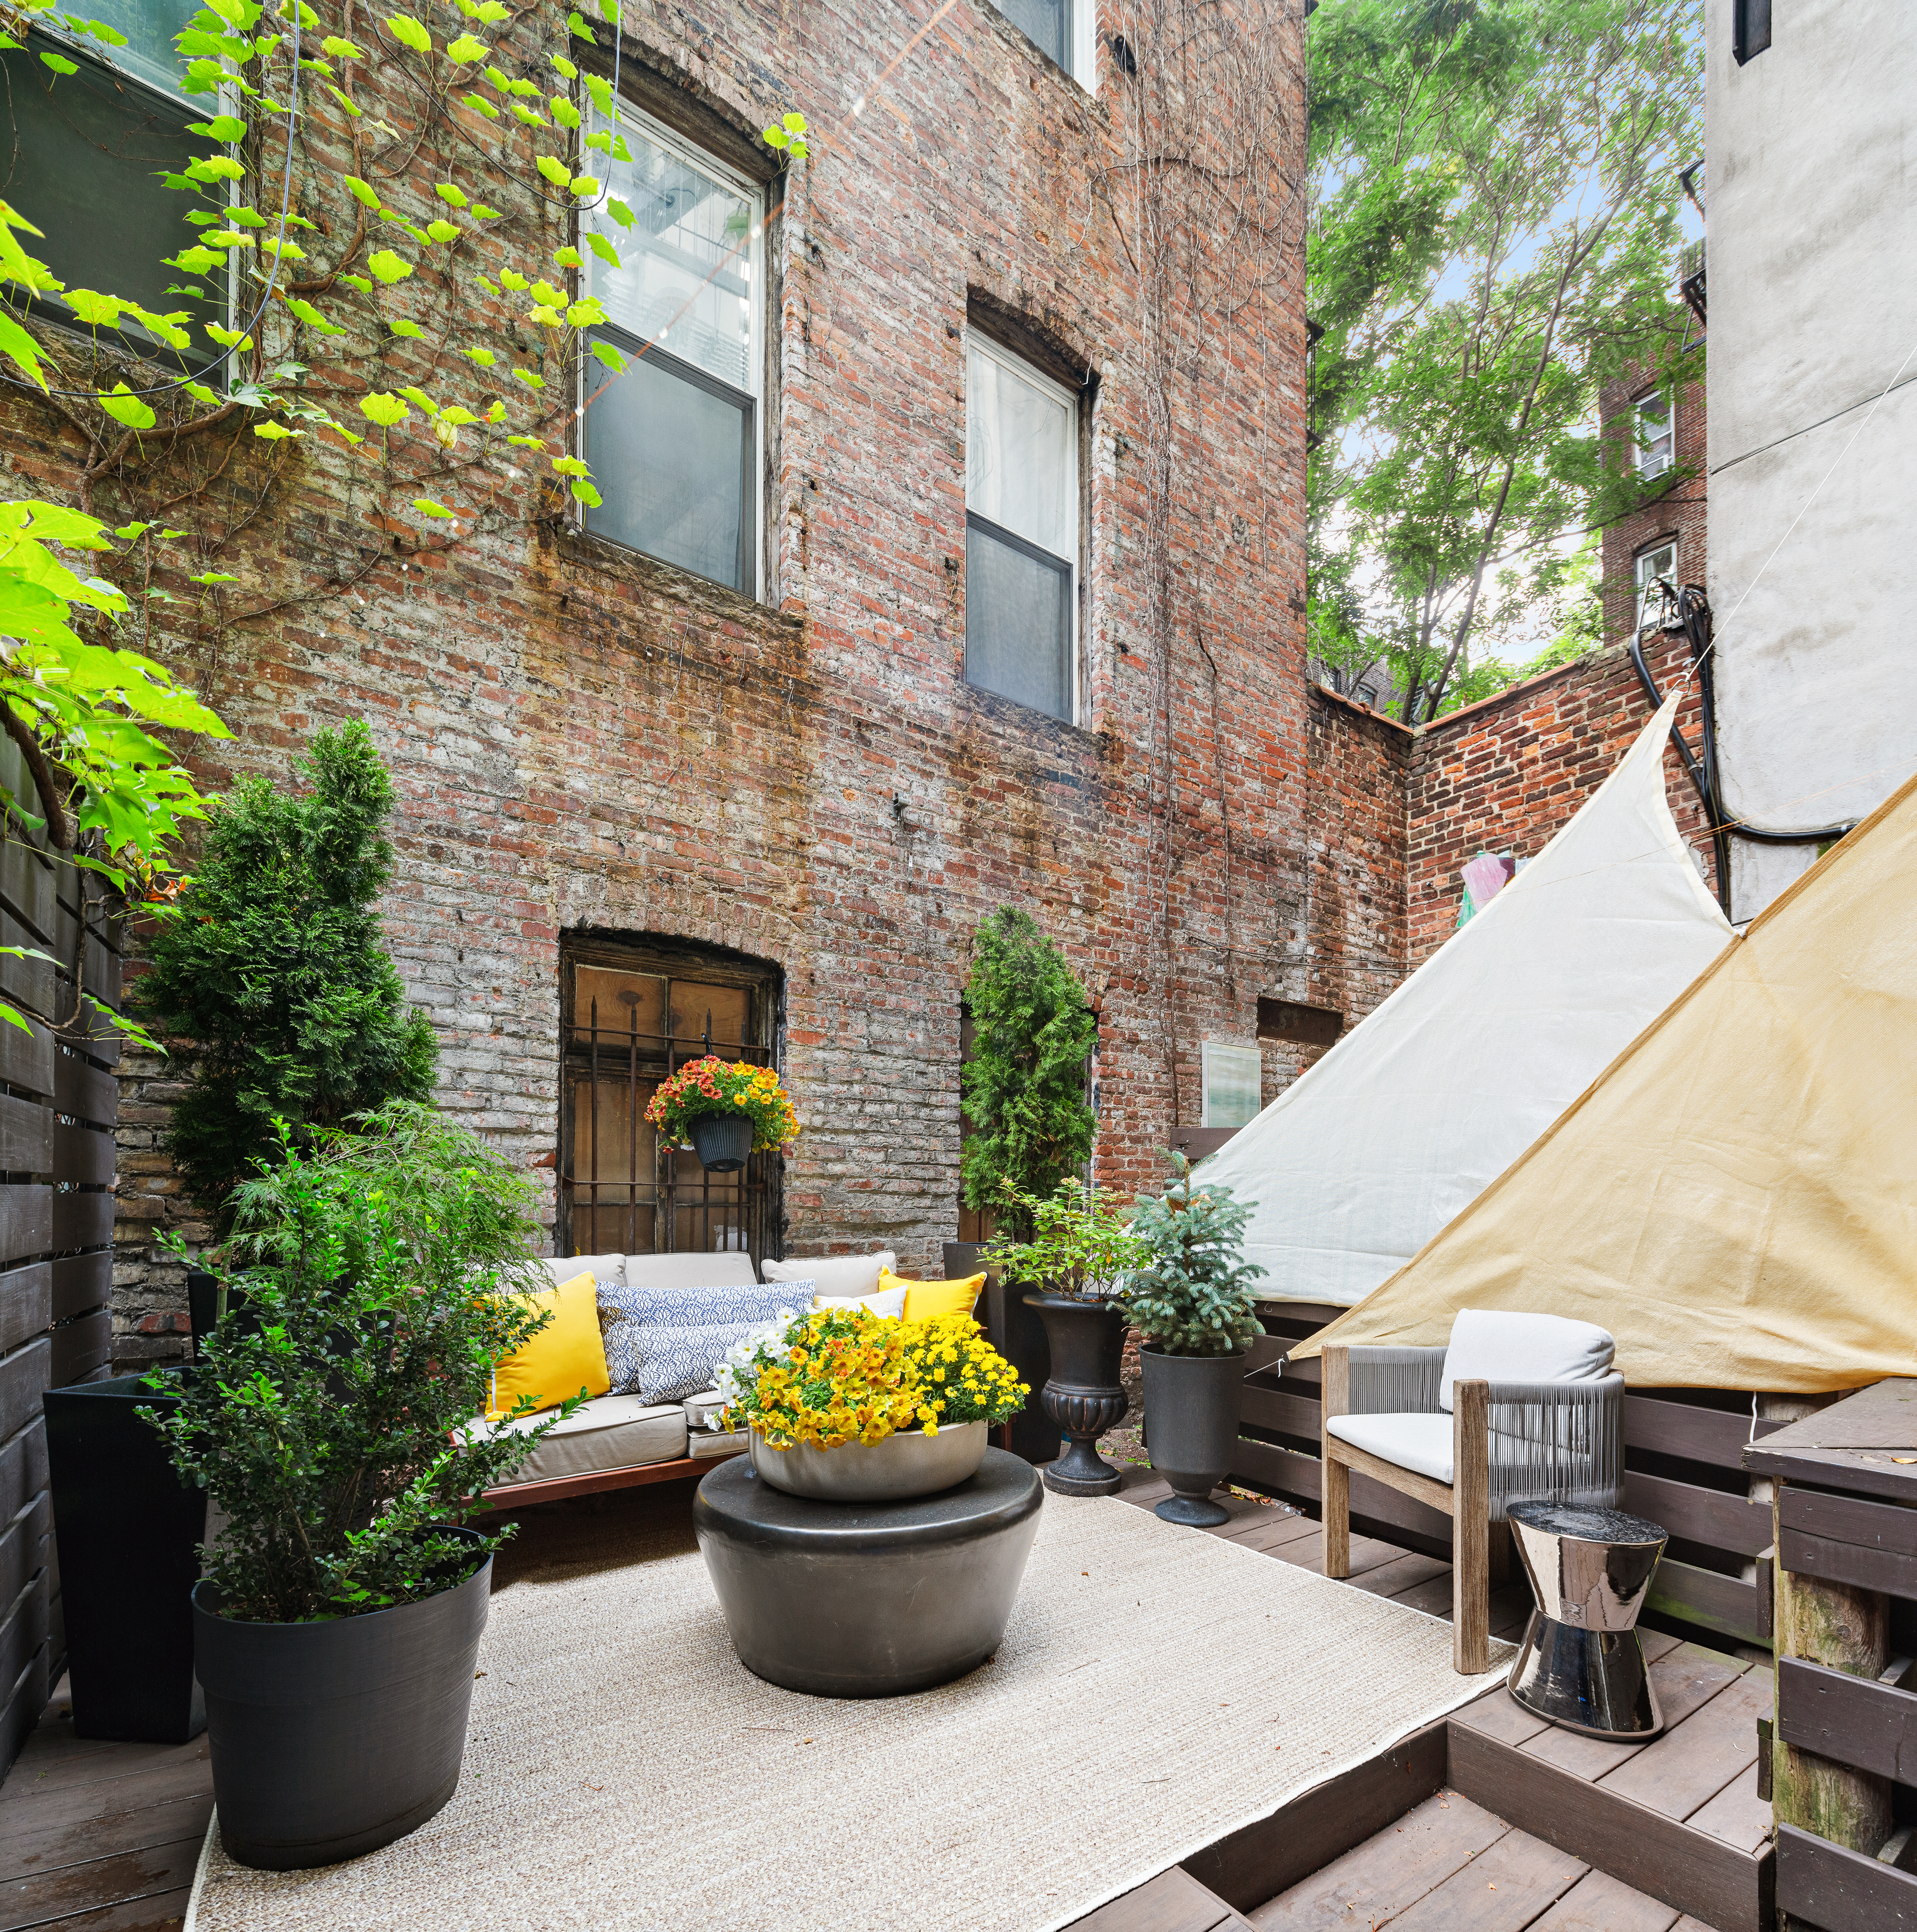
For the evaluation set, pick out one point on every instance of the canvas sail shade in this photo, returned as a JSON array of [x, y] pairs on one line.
[[1736, 1198], [1433, 1095]]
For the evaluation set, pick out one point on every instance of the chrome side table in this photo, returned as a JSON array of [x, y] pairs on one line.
[[1581, 1666]]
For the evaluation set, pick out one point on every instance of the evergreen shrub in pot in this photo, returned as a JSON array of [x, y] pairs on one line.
[[341, 1609], [1191, 1298]]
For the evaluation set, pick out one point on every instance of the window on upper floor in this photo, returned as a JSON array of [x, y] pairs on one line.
[[674, 442], [1366, 695], [1022, 530], [1065, 29], [1656, 444], [1750, 28], [84, 155], [1234, 1080], [1659, 562]]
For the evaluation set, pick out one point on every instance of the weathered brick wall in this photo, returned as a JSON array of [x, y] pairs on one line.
[[1506, 775], [1680, 512], [582, 739]]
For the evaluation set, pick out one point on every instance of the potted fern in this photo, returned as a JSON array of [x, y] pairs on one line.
[[1190, 1296]]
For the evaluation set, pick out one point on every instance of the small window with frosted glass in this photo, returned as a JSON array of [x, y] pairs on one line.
[[1022, 531], [673, 441], [1234, 1081]]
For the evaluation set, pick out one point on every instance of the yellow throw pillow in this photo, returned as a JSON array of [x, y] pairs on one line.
[[926, 1301], [566, 1356]]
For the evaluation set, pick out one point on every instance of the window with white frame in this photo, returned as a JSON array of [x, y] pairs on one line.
[[88, 142], [1234, 1078], [1656, 443], [1659, 562], [1022, 531], [1065, 29], [674, 441]]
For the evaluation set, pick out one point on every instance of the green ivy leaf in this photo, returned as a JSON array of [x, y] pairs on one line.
[[584, 186], [59, 64], [457, 416], [228, 338], [530, 377], [466, 50], [544, 291], [195, 261], [411, 330], [601, 247], [124, 406], [410, 33], [527, 441], [453, 197], [481, 105], [386, 410], [512, 279], [610, 356], [576, 25], [94, 309], [221, 127], [484, 357], [619, 212], [427, 507], [214, 576], [388, 266], [20, 349], [340, 49], [215, 167], [555, 171], [530, 116], [363, 191], [483, 213], [586, 312], [564, 112], [564, 66], [497, 413], [587, 495], [273, 432], [307, 313], [345, 100], [414, 394], [443, 231], [569, 257], [571, 466], [359, 282]]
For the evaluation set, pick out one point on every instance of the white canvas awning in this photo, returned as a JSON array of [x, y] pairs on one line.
[[1431, 1097]]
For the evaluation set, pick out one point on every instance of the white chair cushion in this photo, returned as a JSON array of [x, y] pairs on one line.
[[610, 1432], [1488, 1344], [852, 1276], [601, 1268], [1419, 1442], [891, 1304], [690, 1269]]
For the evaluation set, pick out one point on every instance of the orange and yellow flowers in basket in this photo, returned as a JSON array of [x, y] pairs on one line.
[[715, 1086]]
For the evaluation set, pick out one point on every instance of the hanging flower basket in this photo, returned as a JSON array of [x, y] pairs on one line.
[[725, 1111]]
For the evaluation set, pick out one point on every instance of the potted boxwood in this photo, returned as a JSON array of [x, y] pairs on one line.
[[337, 1623], [725, 1110], [1080, 1245], [1190, 1296]]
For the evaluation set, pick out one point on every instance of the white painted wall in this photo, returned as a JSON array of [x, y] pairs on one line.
[[1812, 276]]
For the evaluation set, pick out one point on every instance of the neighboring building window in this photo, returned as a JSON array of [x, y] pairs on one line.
[[1022, 531], [1063, 29], [1750, 28], [674, 442], [1367, 695], [1651, 565], [1234, 1078], [1656, 444], [83, 155], [632, 1012]]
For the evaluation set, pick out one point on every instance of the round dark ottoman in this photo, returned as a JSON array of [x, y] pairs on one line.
[[867, 1599]]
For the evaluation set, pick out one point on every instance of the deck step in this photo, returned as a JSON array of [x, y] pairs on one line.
[[1678, 1819]]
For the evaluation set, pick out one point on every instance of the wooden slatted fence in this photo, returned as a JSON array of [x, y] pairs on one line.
[[58, 1106]]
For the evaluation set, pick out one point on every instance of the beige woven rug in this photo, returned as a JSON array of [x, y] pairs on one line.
[[1157, 1688]]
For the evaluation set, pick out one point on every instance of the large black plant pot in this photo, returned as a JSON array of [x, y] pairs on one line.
[[331, 1739], [1083, 1396], [1016, 1332], [1191, 1404], [127, 1530], [722, 1142]]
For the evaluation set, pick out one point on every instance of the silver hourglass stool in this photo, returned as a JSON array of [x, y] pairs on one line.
[[1581, 1665]]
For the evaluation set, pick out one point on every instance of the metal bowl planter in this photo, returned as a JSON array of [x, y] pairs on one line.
[[722, 1142], [1083, 1395], [333, 1738], [1191, 1404], [910, 1463]]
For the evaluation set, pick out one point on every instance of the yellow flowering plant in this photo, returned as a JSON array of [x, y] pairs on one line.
[[835, 1375], [715, 1086]]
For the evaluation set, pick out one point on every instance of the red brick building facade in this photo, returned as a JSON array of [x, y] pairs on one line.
[[1667, 536]]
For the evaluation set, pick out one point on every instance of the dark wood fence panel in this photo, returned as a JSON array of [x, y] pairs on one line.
[[58, 1106]]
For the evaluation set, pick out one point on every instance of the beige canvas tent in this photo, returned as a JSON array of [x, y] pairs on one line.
[[1735, 1198]]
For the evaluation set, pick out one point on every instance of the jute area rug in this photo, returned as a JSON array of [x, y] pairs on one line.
[[1157, 1688]]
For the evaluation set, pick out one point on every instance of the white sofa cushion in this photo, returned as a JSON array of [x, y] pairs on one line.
[[610, 1432], [709, 1445], [1491, 1345], [1419, 1442], [850, 1277], [891, 1304], [691, 1269], [601, 1268]]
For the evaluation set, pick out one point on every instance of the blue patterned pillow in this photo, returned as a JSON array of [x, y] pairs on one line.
[[664, 1344]]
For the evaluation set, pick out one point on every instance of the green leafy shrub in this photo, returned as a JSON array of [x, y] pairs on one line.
[[329, 1420], [1190, 1293], [1081, 1242], [270, 960], [1024, 1088]]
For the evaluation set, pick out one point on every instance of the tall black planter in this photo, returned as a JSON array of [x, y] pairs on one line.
[[332, 1739], [1083, 1395], [1192, 1406], [1016, 1332], [722, 1142], [126, 1529]]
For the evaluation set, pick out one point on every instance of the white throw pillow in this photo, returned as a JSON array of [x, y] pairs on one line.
[[1489, 1345], [891, 1304], [853, 1277]]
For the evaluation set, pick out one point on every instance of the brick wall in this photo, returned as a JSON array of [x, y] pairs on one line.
[[1679, 514], [1505, 775]]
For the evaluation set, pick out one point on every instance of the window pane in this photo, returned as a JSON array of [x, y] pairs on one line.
[[1047, 23], [1017, 623], [85, 150], [149, 26], [1233, 1075], [685, 279], [1018, 450], [670, 458]]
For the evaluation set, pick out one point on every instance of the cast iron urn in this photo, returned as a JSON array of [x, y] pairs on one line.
[[1083, 1397]]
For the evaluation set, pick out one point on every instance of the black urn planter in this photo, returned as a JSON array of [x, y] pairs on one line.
[[330, 1739], [1191, 1405], [722, 1142], [1083, 1395], [127, 1531]]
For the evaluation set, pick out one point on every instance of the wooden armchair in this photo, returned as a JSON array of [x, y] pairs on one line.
[[1557, 1436]]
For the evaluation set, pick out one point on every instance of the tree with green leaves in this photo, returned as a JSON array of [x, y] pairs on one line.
[[270, 960], [1494, 229], [1024, 1088]]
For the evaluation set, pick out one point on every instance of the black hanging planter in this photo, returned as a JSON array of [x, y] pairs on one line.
[[1083, 1395], [127, 1531], [722, 1142], [1191, 1404], [332, 1739]]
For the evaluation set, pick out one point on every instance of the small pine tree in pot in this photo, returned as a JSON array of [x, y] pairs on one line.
[[1191, 1300]]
